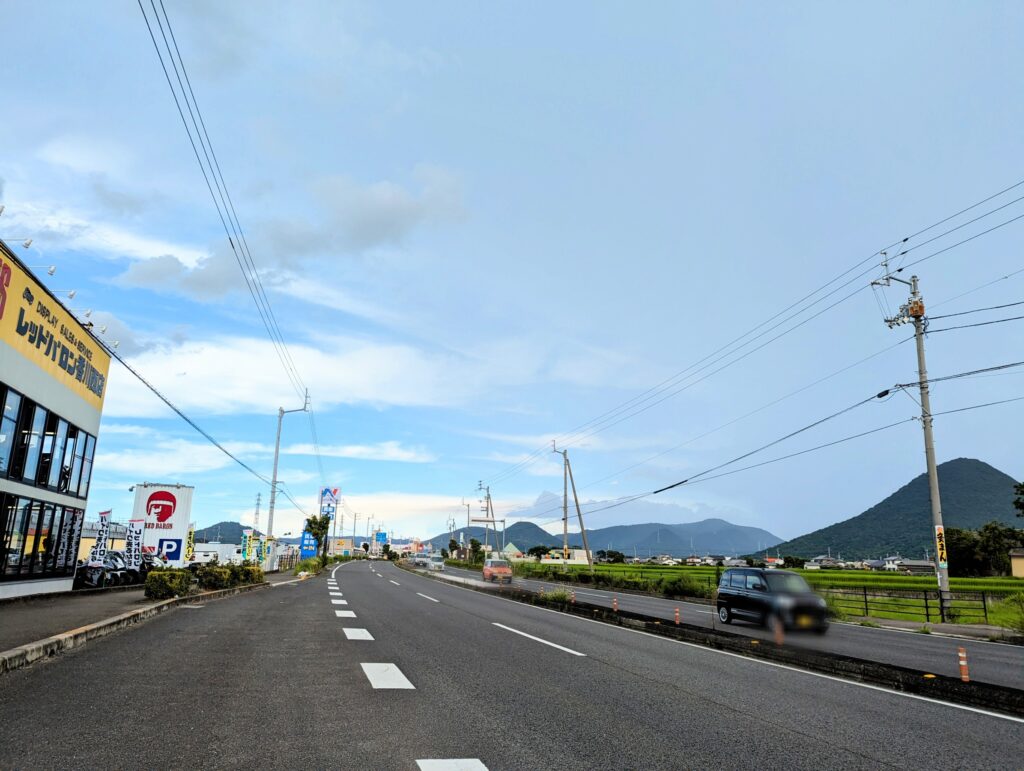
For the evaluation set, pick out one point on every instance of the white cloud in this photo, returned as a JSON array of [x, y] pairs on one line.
[[387, 451], [542, 466], [242, 376], [86, 155], [174, 456], [59, 226]]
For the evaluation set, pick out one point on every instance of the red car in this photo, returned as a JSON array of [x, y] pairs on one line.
[[497, 570]]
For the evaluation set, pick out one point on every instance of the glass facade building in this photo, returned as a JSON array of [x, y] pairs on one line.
[[52, 382]]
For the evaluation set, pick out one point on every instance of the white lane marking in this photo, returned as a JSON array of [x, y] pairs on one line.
[[797, 670], [337, 594], [357, 634], [379, 575], [339, 602], [426, 597], [395, 582], [335, 569], [538, 639], [345, 613], [451, 764], [386, 676]]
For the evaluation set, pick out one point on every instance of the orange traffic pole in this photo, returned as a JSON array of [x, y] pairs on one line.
[[572, 597], [677, 616], [779, 631], [962, 656], [615, 604]]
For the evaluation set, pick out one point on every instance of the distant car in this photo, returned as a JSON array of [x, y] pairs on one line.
[[421, 560], [436, 562], [770, 598], [498, 570]]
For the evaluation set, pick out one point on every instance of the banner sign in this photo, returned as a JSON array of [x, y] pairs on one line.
[[246, 544], [941, 558], [39, 328], [133, 543], [190, 544], [166, 511], [307, 545], [99, 549], [70, 536]]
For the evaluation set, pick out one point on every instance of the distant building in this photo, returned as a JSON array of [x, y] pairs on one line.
[[714, 559], [1017, 563], [734, 563], [694, 561]]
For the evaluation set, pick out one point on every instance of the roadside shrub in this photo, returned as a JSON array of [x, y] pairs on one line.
[[558, 595], [309, 565], [682, 586], [237, 574], [214, 577], [165, 584], [252, 574]]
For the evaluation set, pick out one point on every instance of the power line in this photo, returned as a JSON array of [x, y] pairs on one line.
[[181, 414], [978, 324], [976, 310], [225, 206], [603, 420]]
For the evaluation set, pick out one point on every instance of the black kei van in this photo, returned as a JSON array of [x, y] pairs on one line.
[[770, 597]]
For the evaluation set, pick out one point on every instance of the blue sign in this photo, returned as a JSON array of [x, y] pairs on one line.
[[307, 545], [170, 548], [381, 537]]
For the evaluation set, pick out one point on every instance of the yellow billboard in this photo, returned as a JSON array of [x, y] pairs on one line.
[[38, 327]]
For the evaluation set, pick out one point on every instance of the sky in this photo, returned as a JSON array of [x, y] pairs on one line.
[[481, 226]]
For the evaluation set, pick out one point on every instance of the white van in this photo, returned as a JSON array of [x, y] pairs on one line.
[[436, 562]]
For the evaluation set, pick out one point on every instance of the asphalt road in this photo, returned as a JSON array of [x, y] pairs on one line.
[[273, 679], [989, 662]]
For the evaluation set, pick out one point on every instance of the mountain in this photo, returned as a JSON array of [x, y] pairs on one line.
[[972, 493], [714, 536], [522, 534], [224, 532], [709, 536]]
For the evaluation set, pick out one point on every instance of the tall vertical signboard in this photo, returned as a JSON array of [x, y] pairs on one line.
[[133, 543], [99, 549], [166, 510]]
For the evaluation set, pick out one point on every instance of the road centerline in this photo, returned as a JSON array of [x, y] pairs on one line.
[[426, 597]]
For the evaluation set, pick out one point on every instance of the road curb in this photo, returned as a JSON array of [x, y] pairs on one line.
[[24, 655], [979, 695]]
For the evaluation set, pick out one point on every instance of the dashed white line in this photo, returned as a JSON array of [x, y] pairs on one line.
[[339, 602], [538, 639], [337, 594], [395, 582], [357, 634], [451, 764], [386, 676], [345, 613], [426, 597]]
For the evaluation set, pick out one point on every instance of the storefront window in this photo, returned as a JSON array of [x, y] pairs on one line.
[[69, 458], [32, 441], [17, 529], [90, 446], [57, 457], [42, 542], [8, 506], [8, 428]]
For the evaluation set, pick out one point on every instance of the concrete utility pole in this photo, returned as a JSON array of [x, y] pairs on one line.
[[567, 480], [281, 412], [913, 311]]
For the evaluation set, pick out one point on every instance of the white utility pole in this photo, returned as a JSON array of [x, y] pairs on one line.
[[281, 411], [913, 311], [567, 480]]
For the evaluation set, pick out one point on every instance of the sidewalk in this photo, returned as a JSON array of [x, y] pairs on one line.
[[44, 616]]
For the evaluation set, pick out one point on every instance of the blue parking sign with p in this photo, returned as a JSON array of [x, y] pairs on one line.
[[170, 548]]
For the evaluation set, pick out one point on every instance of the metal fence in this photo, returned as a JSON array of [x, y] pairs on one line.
[[964, 607]]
